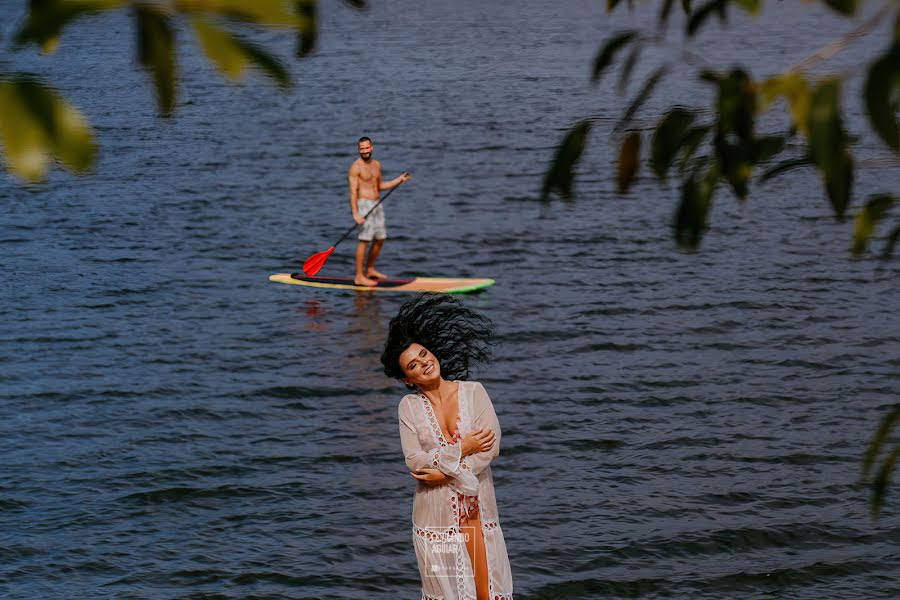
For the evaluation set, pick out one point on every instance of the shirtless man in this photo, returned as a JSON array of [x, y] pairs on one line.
[[365, 182]]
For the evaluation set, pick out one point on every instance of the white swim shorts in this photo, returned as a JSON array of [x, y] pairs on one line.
[[373, 228]]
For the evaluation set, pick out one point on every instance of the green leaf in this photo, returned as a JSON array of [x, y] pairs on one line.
[[668, 139], [699, 16], [560, 176], [308, 35], [766, 147], [891, 242], [881, 91], [882, 478], [627, 68], [265, 62], [692, 140], [845, 7], [24, 136], [156, 53], [839, 185], [785, 166], [750, 6], [37, 125], [220, 47], [641, 97], [629, 159], [693, 210], [826, 135], [47, 19], [881, 434], [738, 173], [606, 54], [828, 145], [664, 11], [794, 89], [867, 218], [232, 55], [736, 103], [272, 13], [735, 162], [70, 137]]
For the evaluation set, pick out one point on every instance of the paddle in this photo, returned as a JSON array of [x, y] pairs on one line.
[[312, 264]]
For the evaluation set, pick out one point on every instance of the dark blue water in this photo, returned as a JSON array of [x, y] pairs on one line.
[[675, 425]]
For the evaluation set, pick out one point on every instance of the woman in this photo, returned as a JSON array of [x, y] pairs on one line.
[[450, 434]]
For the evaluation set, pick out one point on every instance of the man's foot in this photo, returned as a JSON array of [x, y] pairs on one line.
[[375, 274], [361, 280]]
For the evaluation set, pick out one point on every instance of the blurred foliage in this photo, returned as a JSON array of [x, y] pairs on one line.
[[38, 127], [878, 449], [720, 143]]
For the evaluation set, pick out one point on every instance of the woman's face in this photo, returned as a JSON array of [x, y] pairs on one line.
[[420, 367]]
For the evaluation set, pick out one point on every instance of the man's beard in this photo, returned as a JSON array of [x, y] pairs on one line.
[[366, 157]]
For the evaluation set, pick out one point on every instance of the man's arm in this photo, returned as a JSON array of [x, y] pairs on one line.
[[353, 181], [386, 185]]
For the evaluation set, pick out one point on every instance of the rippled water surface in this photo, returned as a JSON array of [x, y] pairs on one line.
[[675, 425]]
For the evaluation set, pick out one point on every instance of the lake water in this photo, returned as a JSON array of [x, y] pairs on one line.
[[675, 425]]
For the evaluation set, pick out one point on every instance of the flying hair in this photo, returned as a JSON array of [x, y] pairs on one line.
[[456, 335]]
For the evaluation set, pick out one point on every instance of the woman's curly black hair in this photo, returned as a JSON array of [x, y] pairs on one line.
[[456, 335]]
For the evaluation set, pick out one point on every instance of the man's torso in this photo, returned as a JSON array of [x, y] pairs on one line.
[[367, 178]]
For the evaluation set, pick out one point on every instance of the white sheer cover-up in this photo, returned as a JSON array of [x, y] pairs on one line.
[[437, 535]]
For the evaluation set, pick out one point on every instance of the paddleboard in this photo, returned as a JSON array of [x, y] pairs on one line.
[[419, 284]]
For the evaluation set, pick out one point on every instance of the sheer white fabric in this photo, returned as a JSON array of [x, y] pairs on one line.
[[437, 535]]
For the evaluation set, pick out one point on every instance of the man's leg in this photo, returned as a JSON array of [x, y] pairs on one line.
[[359, 278], [370, 263]]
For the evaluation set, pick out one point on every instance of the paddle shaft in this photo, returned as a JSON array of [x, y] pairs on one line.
[[355, 225]]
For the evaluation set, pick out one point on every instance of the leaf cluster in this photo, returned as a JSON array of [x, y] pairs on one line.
[[39, 125], [727, 148]]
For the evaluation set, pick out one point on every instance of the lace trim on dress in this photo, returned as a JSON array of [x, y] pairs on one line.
[[461, 555], [460, 505], [463, 419], [495, 597], [437, 535], [490, 525], [463, 506]]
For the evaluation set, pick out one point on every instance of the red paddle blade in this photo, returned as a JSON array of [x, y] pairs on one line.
[[312, 264]]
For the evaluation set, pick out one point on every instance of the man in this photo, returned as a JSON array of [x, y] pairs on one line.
[[365, 182]]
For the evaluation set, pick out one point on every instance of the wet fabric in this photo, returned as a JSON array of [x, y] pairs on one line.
[[438, 534]]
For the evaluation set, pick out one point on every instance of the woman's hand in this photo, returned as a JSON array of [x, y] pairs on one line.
[[430, 476], [480, 440]]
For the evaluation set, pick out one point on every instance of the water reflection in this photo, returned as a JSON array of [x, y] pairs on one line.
[[313, 315]]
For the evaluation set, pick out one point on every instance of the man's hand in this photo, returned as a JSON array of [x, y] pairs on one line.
[[430, 476], [404, 177], [480, 440], [358, 218]]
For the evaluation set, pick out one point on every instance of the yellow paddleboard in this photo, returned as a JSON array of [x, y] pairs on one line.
[[419, 284]]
